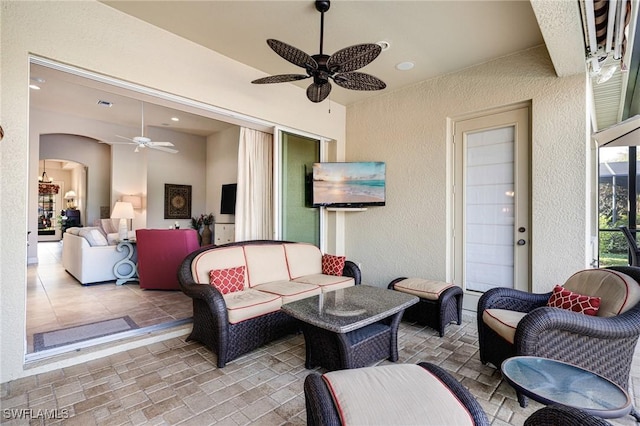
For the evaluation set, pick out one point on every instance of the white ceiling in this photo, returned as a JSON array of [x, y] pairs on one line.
[[440, 37]]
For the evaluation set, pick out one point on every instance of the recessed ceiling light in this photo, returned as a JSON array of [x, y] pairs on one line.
[[105, 103], [175, 119], [384, 45], [405, 66], [34, 87]]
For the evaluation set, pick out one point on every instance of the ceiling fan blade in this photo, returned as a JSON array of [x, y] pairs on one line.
[[353, 57], [119, 143], [161, 148], [292, 54], [154, 144], [359, 81], [124, 137], [283, 78], [318, 92]]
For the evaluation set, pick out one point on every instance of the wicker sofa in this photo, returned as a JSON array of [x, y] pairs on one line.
[[275, 272]]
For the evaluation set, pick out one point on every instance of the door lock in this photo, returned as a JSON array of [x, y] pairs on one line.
[[521, 242]]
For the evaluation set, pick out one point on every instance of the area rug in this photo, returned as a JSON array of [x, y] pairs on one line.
[[66, 336]]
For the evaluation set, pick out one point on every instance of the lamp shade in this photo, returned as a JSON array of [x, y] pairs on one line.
[[135, 200], [122, 210], [70, 195]]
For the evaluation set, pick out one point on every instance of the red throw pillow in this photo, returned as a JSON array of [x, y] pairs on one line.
[[566, 299], [227, 280], [332, 265]]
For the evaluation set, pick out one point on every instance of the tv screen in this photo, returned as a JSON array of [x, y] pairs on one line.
[[357, 184], [228, 199]]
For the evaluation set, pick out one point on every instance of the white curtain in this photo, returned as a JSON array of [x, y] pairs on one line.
[[254, 204]]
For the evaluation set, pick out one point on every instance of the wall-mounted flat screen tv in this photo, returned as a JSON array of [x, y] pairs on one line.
[[228, 198], [357, 184]]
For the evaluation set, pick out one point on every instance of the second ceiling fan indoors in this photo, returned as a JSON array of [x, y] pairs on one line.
[[338, 67], [143, 141]]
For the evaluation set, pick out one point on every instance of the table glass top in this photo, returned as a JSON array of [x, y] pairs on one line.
[[559, 382], [348, 309]]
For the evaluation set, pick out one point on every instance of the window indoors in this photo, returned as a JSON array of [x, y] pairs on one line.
[[617, 179]]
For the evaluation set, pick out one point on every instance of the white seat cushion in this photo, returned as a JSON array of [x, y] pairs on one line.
[[425, 289], [503, 322], [402, 394], [327, 282], [289, 290], [247, 304]]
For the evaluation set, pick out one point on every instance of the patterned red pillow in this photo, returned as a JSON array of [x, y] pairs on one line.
[[332, 265], [227, 280], [566, 299]]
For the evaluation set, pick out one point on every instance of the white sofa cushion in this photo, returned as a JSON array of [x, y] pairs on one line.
[[327, 282], [93, 236], [247, 304], [401, 394], [221, 258], [503, 321], [303, 259], [266, 263], [289, 290]]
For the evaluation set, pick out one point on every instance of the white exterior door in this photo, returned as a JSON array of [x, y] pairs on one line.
[[491, 203]]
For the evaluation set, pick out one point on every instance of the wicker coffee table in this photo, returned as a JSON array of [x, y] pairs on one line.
[[350, 328]]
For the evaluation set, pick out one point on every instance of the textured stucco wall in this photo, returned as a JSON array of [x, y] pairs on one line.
[[408, 130], [93, 36]]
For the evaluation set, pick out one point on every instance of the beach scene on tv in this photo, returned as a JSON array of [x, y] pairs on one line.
[[349, 183]]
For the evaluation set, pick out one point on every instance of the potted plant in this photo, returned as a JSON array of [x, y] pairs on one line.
[[204, 222]]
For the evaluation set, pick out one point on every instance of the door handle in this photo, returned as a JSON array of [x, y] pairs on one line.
[[521, 242]]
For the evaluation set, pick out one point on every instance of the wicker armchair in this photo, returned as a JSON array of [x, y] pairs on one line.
[[559, 415], [322, 411], [603, 345], [211, 325]]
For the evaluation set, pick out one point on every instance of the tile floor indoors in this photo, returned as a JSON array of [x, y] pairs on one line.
[[55, 300], [175, 382]]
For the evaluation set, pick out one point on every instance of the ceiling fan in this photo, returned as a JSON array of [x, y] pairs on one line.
[[338, 67], [145, 142]]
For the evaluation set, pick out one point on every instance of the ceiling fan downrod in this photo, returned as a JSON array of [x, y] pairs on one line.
[[322, 7]]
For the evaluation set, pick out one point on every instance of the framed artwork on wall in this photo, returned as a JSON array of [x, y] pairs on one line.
[[177, 201]]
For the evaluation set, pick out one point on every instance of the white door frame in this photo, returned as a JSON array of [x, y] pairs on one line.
[[522, 155]]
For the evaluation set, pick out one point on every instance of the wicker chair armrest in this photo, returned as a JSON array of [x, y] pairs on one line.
[[352, 270], [207, 293], [543, 319], [511, 299], [460, 391], [560, 415], [321, 410]]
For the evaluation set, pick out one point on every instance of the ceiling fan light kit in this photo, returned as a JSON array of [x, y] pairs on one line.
[[339, 67]]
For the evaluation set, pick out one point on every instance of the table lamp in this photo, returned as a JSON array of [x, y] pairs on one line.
[[123, 211], [70, 197]]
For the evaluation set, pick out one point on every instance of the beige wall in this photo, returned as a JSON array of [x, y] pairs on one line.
[[93, 36], [408, 130], [222, 168]]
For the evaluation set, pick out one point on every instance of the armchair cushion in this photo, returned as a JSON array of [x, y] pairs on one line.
[[503, 322], [566, 299], [228, 280], [618, 291]]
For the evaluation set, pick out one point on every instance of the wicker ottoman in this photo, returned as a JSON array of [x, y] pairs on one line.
[[397, 394], [440, 303]]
